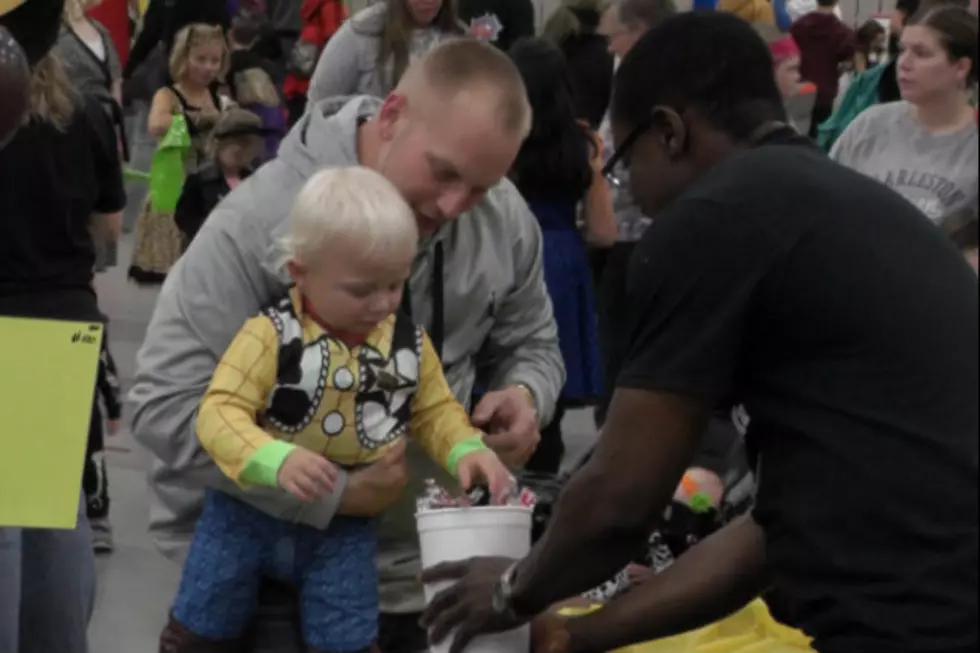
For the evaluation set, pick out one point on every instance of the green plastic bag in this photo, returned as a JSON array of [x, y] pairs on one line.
[[167, 168]]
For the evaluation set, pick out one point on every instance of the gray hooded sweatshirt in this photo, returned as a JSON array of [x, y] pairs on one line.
[[498, 318]]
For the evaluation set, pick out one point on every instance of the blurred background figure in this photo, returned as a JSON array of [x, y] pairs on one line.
[[573, 27], [372, 50], [559, 172], [27, 32], [501, 22], [826, 45], [871, 46], [88, 53], [15, 84], [60, 188]]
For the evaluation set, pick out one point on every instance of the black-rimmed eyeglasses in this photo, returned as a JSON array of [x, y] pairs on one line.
[[621, 154]]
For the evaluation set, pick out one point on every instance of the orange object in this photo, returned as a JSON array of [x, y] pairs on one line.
[[807, 88], [114, 14], [689, 485]]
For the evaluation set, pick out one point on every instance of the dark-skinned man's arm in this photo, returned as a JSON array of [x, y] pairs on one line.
[[689, 301], [711, 581], [692, 292], [605, 514]]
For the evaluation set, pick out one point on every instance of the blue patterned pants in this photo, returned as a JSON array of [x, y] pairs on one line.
[[235, 546]]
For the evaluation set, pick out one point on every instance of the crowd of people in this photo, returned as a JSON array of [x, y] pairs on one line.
[[401, 243]]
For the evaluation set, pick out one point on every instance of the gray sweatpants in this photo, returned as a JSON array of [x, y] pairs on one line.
[[47, 588]]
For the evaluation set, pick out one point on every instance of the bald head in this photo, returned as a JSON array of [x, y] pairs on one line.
[[470, 67]]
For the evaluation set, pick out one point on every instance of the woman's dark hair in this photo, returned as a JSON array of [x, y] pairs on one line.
[[866, 35], [956, 27], [712, 62], [396, 34], [554, 161], [961, 227]]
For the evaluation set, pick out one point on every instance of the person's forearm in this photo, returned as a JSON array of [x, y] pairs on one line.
[[593, 534], [714, 579]]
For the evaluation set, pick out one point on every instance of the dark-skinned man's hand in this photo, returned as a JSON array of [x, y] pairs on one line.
[[510, 420], [467, 606], [370, 491]]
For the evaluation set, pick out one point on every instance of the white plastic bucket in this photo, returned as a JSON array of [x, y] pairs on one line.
[[452, 534]]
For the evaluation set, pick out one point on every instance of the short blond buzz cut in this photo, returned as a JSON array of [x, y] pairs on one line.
[[468, 64]]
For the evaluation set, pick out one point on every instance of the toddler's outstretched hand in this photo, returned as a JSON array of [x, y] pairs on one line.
[[484, 465], [307, 475]]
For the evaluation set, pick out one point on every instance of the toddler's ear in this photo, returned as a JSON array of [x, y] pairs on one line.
[[296, 270]]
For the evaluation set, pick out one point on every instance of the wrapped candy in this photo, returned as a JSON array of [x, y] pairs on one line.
[[436, 497]]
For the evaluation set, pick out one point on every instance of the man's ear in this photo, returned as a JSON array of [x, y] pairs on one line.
[[668, 126], [963, 68], [392, 109]]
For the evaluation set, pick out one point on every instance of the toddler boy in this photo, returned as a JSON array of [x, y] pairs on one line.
[[330, 375]]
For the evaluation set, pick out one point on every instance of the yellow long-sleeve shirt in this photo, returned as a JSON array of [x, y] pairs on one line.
[[285, 382]]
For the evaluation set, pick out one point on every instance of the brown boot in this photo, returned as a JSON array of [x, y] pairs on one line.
[[175, 638]]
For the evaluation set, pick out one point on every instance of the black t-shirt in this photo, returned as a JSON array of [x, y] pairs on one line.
[[847, 325], [51, 183]]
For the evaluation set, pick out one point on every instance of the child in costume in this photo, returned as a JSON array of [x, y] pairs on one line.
[[198, 62], [236, 145], [329, 375]]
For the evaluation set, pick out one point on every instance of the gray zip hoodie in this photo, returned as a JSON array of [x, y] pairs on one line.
[[498, 318]]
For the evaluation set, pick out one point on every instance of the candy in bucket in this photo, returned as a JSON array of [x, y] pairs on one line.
[[436, 497], [475, 525]]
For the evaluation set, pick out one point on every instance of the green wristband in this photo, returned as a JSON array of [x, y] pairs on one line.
[[263, 467], [463, 449]]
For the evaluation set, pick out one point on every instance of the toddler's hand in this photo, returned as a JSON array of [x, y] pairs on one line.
[[306, 475], [113, 426], [484, 465]]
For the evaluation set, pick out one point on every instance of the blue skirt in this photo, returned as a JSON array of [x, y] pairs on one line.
[[569, 280]]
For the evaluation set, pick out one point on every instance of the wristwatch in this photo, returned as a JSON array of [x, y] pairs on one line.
[[503, 596]]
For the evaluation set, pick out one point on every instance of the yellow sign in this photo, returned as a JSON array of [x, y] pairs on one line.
[[47, 382]]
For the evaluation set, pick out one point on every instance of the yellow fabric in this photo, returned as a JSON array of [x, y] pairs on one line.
[[752, 11], [9, 5], [342, 428], [751, 630]]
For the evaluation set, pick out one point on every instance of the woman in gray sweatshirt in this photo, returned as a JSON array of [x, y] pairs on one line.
[[369, 54]]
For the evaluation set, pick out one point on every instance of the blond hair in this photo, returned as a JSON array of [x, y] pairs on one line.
[[195, 36], [53, 97], [467, 64], [354, 208]]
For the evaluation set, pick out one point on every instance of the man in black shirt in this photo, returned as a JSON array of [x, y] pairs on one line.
[[841, 318]]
